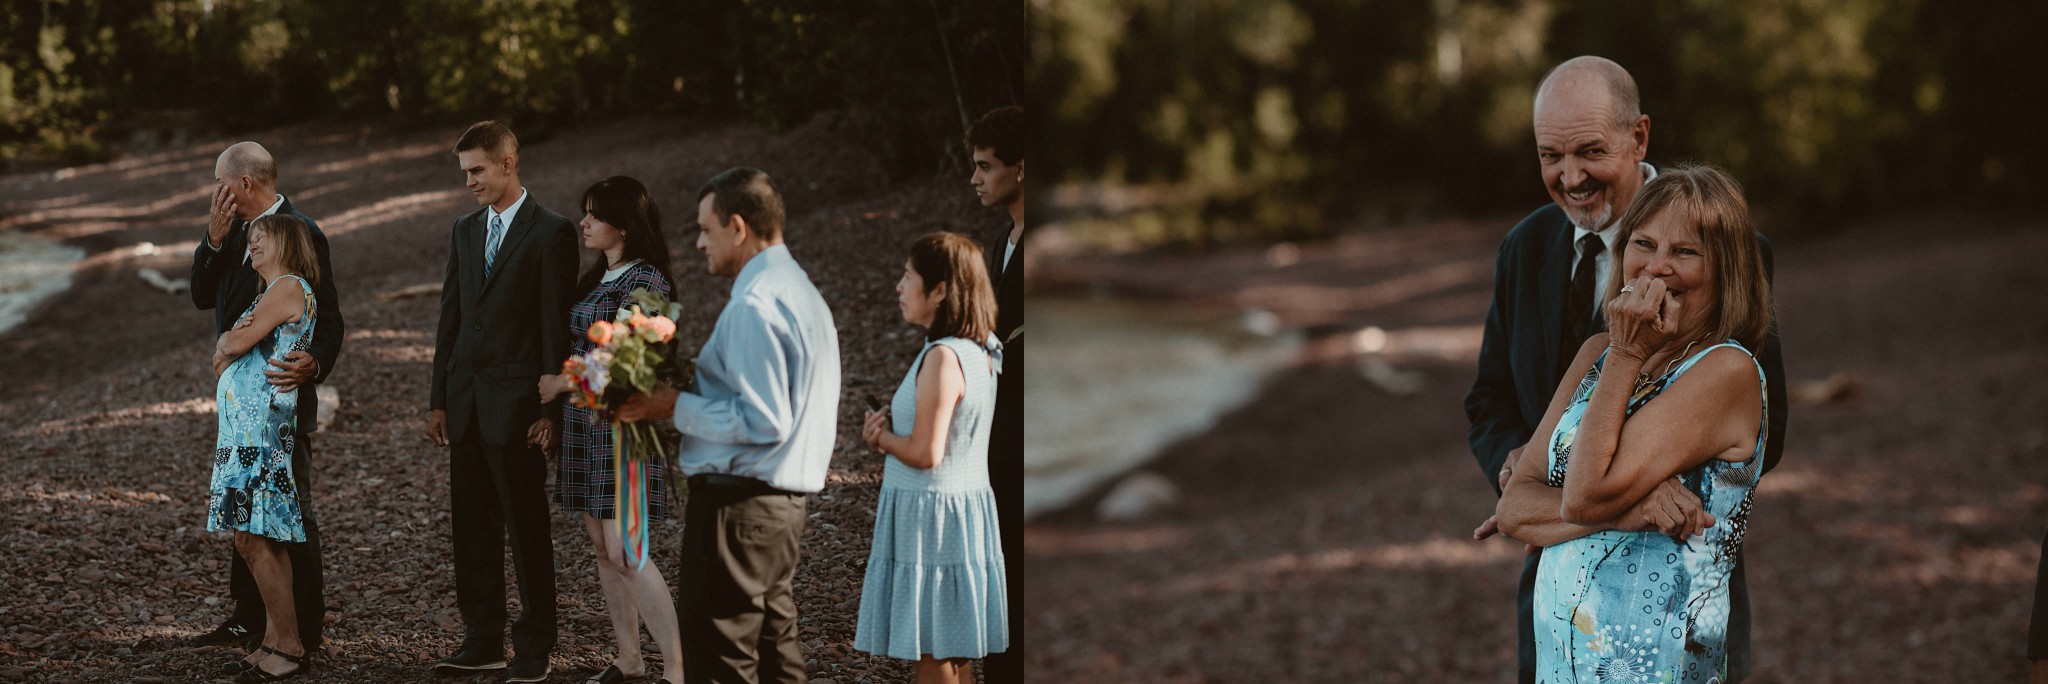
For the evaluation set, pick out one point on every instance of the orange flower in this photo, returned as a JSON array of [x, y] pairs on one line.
[[663, 328], [600, 332]]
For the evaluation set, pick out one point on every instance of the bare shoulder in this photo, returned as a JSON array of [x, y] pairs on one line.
[[1727, 373]]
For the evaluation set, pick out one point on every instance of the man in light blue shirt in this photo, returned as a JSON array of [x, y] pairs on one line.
[[757, 436]]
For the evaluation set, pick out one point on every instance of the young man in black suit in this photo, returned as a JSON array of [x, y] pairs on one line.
[[1591, 137], [245, 177], [998, 143], [504, 323]]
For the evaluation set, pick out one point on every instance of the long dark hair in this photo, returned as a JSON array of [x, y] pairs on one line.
[[625, 204]]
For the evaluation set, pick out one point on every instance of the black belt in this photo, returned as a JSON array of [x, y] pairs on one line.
[[710, 480]]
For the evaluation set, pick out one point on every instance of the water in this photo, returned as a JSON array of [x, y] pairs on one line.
[[1112, 383], [31, 269]]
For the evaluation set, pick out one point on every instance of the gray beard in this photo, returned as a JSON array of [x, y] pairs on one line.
[[1599, 219]]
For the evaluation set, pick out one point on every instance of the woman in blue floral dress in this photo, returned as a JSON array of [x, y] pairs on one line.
[[1641, 486], [252, 490], [621, 222], [933, 592]]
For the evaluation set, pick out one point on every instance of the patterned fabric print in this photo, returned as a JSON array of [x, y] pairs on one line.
[[1621, 606], [584, 478], [935, 576], [253, 488]]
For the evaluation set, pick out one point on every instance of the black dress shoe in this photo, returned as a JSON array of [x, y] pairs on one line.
[[611, 674], [527, 670], [472, 658], [230, 632]]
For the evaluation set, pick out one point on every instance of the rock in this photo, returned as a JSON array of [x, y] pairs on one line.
[[1140, 496], [1835, 389], [1385, 376], [823, 680], [330, 404]]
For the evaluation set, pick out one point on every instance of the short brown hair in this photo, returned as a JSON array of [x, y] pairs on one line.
[[292, 242], [1001, 131], [969, 309], [492, 136], [1713, 201], [750, 193]]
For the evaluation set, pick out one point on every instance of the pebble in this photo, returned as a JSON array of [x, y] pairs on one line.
[[387, 547]]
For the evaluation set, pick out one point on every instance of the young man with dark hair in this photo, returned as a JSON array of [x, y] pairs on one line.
[[997, 143], [504, 323]]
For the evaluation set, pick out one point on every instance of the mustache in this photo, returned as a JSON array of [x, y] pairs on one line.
[[1590, 184]]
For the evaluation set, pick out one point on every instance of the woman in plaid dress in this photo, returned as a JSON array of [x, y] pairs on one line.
[[622, 223]]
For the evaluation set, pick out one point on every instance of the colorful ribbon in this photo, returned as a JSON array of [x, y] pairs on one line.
[[629, 493]]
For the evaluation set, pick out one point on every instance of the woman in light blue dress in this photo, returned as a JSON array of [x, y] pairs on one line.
[[934, 586], [1641, 486], [252, 491]]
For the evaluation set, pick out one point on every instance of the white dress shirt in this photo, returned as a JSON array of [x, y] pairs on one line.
[[767, 399], [1603, 265]]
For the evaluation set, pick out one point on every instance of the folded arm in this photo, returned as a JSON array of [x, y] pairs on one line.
[[1615, 463], [285, 302]]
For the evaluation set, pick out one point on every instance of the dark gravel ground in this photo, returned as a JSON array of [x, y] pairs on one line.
[[106, 413], [1324, 534]]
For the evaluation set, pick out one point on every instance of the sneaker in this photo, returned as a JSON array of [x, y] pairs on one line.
[[230, 632]]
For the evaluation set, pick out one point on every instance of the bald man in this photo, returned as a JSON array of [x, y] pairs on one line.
[[245, 189], [1591, 139]]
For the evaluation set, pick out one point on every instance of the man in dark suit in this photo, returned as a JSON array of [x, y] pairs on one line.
[[1591, 138], [998, 142], [245, 189], [504, 323]]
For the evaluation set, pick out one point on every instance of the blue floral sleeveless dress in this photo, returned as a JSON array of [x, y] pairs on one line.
[[1627, 607], [253, 488], [935, 576]]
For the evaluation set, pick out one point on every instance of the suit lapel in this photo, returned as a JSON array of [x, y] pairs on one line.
[[522, 224], [1552, 287], [470, 241]]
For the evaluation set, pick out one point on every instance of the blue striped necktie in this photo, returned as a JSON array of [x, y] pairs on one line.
[[491, 244]]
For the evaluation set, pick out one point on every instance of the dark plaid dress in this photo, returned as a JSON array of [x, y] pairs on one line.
[[583, 475]]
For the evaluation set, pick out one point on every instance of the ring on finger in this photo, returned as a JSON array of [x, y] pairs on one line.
[[1625, 289]]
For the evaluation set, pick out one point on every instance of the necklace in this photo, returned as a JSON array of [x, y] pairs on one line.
[[1643, 378]]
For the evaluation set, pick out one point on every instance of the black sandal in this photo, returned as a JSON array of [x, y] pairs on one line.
[[611, 675], [255, 674]]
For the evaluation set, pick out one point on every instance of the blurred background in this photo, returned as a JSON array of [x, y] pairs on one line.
[[1265, 242]]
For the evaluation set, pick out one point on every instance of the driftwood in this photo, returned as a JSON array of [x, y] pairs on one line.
[[420, 290], [169, 286]]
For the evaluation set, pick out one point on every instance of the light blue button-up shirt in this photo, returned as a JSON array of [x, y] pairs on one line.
[[767, 399]]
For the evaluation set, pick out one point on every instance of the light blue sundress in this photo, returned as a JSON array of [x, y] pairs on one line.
[[1636, 607], [253, 488], [935, 575]]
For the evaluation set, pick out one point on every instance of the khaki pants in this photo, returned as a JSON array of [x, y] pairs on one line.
[[734, 602]]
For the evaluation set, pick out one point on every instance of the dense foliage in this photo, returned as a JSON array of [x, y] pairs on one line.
[[1268, 119], [76, 75]]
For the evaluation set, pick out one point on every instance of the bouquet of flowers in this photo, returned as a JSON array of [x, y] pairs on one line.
[[634, 353]]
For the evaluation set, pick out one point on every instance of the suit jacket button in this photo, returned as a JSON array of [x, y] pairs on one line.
[[479, 326]]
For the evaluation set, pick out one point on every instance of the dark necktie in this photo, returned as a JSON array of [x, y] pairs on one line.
[[1578, 306]]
